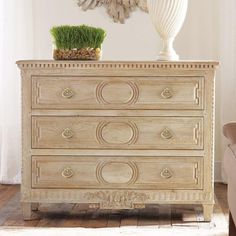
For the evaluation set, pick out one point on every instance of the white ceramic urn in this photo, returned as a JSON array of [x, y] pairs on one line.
[[168, 17]]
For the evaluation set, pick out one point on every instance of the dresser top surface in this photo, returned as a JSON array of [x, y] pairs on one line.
[[47, 64]]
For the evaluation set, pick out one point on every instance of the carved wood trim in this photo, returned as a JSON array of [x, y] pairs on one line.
[[196, 93], [116, 65], [116, 199], [132, 100], [197, 172], [37, 129], [82, 196], [132, 166], [133, 139], [37, 96], [196, 136], [212, 118], [37, 167]]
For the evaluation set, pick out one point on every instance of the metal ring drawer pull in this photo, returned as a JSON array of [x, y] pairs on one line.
[[167, 93], [67, 93], [166, 173], [67, 173], [67, 133], [166, 134]]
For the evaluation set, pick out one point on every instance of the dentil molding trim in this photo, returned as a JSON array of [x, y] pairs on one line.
[[117, 65]]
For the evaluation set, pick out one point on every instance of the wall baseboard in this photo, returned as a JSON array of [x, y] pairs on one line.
[[218, 171]]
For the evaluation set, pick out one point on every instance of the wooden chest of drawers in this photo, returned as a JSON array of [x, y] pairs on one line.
[[117, 135]]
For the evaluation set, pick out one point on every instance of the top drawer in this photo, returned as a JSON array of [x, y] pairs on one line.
[[59, 92]]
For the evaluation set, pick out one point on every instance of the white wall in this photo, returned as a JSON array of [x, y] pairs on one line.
[[227, 94], [137, 39], [134, 40]]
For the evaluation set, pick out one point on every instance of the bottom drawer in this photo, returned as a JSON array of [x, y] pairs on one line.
[[83, 172]]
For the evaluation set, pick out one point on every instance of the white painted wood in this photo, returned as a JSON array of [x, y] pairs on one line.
[[168, 17]]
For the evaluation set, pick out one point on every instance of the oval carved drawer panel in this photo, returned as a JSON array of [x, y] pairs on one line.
[[117, 132], [117, 172], [117, 92]]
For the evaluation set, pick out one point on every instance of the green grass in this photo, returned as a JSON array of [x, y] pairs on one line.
[[70, 37]]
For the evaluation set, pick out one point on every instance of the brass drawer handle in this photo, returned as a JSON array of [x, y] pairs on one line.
[[67, 133], [67, 173], [166, 173], [67, 93], [166, 134], [167, 93]]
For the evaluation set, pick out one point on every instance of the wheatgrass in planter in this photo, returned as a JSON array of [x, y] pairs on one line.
[[77, 42]]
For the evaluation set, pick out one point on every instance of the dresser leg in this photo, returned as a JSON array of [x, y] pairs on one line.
[[208, 211], [34, 206], [28, 214], [232, 227]]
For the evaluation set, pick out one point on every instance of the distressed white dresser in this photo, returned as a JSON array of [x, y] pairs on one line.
[[117, 135]]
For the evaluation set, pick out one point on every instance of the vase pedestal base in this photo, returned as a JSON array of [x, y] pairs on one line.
[[168, 57]]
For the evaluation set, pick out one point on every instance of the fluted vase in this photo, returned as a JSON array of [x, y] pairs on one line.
[[168, 17]]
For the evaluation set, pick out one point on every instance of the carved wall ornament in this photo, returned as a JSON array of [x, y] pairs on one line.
[[119, 10]]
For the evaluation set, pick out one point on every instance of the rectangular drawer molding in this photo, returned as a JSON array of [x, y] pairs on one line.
[[173, 92], [65, 172], [117, 132]]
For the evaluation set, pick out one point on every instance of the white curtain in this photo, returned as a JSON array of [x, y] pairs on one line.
[[16, 42]]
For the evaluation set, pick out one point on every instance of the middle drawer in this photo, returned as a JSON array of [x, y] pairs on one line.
[[117, 132]]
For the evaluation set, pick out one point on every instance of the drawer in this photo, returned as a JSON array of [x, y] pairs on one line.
[[65, 172], [117, 132], [173, 92]]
